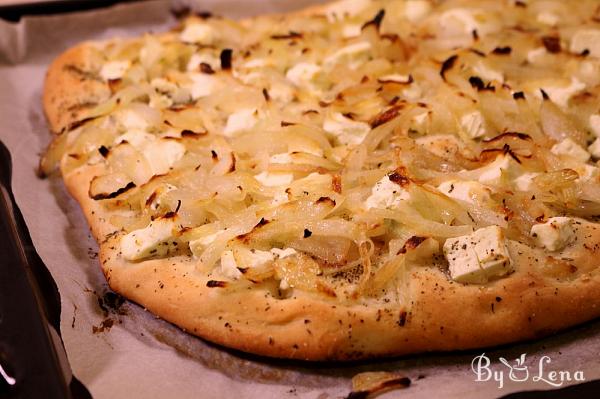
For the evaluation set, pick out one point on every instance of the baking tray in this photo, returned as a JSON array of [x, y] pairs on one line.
[[31, 354]]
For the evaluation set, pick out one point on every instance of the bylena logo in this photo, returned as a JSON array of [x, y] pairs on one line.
[[519, 371]]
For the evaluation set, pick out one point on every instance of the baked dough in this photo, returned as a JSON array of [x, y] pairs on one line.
[[441, 315]]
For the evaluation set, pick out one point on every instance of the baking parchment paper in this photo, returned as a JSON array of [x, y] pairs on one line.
[[120, 350]]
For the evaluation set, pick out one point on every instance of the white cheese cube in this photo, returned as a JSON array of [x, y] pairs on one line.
[[555, 234], [594, 148], [256, 257], [347, 131], [274, 179], [469, 191], [586, 39], [157, 239], [525, 181], [202, 85], [478, 257], [229, 267], [162, 155], [571, 149], [587, 172], [595, 124], [561, 94], [503, 169], [114, 69], [240, 121], [473, 124], [386, 194], [198, 33]]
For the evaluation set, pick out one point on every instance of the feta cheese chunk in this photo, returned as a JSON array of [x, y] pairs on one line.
[[256, 257], [586, 39], [473, 124], [202, 85], [274, 179], [347, 131], [478, 257], [114, 69], [570, 148], [555, 234], [469, 191], [162, 155], [240, 121], [595, 124], [229, 267], [234, 263], [386, 194], [594, 149], [560, 95], [157, 239], [198, 33], [525, 181], [503, 168], [587, 172]]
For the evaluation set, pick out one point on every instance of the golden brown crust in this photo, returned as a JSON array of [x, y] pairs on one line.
[[71, 87], [444, 316]]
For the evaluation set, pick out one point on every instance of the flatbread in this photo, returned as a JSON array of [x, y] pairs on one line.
[[544, 292]]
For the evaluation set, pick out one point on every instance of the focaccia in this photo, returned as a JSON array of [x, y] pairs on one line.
[[360, 179]]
